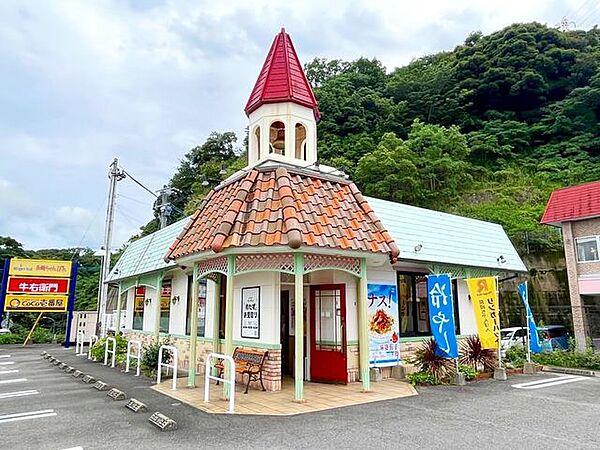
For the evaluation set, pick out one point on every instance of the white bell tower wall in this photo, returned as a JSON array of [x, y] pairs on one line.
[[290, 114]]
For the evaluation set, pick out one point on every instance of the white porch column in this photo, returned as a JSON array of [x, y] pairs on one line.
[[299, 327]]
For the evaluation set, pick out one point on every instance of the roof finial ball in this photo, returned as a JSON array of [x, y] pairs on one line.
[[282, 109]]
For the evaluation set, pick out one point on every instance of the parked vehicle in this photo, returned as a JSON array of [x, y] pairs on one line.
[[509, 337], [554, 337]]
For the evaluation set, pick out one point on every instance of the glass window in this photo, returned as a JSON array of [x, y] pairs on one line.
[[406, 306], [422, 306], [587, 249], [138, 308]]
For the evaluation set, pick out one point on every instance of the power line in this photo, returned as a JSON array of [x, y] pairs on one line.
[[139, 184]]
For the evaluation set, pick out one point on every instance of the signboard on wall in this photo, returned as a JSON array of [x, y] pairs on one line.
[[384, 346], [250, 313], [165, 295], [140, 296]]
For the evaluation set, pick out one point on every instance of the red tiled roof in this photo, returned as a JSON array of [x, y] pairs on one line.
[[277, 206], [282, 79], [573, 203]]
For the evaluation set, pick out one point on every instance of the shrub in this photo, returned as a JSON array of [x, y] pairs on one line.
[[427, 360], [473, 355], [516, 356], [573, 359], [150, 356], [11, 338], [468, 371], [121, 349], [422, 378]]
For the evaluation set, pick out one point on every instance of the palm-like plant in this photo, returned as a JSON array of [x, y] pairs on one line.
[[477, 357], [427, 360]]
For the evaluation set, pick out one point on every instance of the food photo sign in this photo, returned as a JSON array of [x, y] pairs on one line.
[[384, 345]]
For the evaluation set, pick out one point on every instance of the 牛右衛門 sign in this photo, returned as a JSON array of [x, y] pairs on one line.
[[37, 285], [484, 296], [384, 346]]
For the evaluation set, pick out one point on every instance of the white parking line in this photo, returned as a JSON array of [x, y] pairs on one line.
[[7, 363], [15, 380], [549, 382], [18, 394], [4, 356], [28, 415], [4, 372]]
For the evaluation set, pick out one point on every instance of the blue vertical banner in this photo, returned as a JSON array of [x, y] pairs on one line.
[[441, 315], [534, 339]]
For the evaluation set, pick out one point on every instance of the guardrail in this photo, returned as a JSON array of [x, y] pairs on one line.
[[173, 366], [231, 381], [113, 352], [93, 340], [79, 344], [137, 357]]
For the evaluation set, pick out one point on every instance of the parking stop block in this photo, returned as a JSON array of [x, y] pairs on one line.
[[136, 406], [101, 385], [116, 394], [163, 422], [88, 379], [70, 369], [43, 353], [77, 374], [62, 366], [56, 362]]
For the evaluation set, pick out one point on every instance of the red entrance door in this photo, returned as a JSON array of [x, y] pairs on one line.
[[328, 334]]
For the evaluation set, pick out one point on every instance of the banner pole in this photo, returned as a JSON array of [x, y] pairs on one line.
[[499, 335], [527, 319]]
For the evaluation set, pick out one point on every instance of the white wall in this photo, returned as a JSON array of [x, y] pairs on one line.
[[150, 309], [269, 305], [178, 311], [465, 310]]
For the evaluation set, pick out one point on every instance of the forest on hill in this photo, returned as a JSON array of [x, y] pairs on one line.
[[487, 130]]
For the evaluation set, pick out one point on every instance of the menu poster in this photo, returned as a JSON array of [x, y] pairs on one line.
[[251, 312]]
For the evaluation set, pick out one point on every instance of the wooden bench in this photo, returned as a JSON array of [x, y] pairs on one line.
[[249, 362]]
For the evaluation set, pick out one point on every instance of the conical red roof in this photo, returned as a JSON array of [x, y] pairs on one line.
[[282, 79]]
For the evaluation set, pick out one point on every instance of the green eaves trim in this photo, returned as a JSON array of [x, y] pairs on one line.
[[210, 340]]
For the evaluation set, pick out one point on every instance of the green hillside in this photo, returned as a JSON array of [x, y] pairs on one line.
[[487, 130]]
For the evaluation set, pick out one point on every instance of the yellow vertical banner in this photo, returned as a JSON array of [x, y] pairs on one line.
[[484, 296]]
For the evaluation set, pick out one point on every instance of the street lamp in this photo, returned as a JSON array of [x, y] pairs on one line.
[[53, 328]]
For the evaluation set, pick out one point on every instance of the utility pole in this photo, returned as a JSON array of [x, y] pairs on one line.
[[114, 174]]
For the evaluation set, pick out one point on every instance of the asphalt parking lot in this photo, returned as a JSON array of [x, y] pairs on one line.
[[49, 409]]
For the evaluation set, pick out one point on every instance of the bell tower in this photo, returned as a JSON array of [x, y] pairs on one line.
[[282, 109]]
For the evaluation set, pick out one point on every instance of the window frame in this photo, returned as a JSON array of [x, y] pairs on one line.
[[592, 238]]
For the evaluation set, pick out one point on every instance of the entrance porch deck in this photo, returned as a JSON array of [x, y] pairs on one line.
[[318, 396]]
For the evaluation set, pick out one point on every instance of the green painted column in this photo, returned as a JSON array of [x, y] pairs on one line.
[[159, 280], [216, 314], [363, 327], [299, 327], [229, 306], [193, 329], [118, 324]]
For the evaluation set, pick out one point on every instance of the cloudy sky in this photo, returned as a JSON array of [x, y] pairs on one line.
[[145, 80]]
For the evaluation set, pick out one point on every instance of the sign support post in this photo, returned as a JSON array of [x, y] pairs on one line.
[[33, 328], [71, 304], [3, 289]]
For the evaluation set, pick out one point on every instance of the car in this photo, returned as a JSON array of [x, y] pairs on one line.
[[554, 337], [509, 337]]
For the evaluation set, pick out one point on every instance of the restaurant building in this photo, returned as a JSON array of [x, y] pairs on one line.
[[288, 257]]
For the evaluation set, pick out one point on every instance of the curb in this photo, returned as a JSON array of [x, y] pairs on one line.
[[569, 371]]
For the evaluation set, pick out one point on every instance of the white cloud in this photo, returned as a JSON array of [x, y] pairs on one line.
[[147, 80]]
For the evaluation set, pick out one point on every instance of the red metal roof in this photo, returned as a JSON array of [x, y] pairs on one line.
[[573, 203], [278, 206], [282, 79]]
